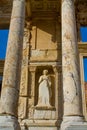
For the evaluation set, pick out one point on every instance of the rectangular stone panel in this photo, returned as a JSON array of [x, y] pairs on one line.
[[22, 107], [44, 55], [46, 37], [44, 114], [24, 81]]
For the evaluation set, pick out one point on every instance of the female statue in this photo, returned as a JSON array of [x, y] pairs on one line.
[[44, 90]]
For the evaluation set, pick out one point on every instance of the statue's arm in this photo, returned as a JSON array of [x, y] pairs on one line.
[[49, 81], [40, 79]]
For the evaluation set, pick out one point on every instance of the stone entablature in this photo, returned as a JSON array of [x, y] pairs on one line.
[[46, 8]]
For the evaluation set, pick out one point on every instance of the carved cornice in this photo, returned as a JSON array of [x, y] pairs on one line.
[[45, 5], [5, 12], [36, 8], [5, 6], [81, 12], [45, 8], [82, 47]]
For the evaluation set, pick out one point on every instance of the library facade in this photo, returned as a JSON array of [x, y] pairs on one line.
[[43, 85]]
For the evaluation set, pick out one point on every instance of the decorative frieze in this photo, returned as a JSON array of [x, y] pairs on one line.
[[45, 5]]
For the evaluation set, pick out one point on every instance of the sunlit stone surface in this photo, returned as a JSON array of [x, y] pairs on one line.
[[11, 78], [55, 102]]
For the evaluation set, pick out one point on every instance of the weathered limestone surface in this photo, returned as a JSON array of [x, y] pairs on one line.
[[9, 123], [70, 66], [10, 86], [22, 105], [11, 78], [44, 114], [42, 50], [24, 81], [45, 40], [71, 79], [39, 47]]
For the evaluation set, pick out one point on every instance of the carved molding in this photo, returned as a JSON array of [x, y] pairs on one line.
[[81, 13], [57, 68], [82, 47], [45, 5]]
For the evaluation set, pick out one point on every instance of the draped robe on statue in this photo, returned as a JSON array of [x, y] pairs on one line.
[[44, 91]]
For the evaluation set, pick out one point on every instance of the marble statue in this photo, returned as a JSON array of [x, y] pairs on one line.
[[45, 92]]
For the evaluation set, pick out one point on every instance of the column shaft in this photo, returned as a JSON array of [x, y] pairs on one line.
[[70, 62], [11, 77]]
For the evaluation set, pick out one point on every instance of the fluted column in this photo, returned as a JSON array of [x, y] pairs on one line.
[[11, 77], [70, 64]]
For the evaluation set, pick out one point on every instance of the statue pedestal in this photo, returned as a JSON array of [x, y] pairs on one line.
[[44, 119], [9, 123], [39, 107], [44, 112]]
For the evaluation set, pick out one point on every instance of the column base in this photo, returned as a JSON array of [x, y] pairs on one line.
[[73, 123], [9, 123], [78, 126]]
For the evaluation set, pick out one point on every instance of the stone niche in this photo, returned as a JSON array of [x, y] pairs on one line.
[[39, 72], [35, 73], [44, 103], [29, 110]]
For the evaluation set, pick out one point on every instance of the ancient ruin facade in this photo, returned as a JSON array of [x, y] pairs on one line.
[[42, 86]]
